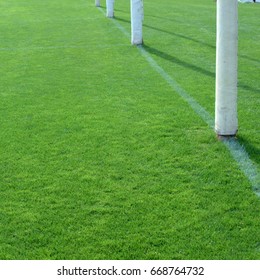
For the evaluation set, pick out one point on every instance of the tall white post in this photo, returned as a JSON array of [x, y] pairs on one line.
[[137, 15], [110, 8], [226, 123], [97, 3]]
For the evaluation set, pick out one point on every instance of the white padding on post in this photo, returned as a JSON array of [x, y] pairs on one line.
[[97, 3], [226, 122], [137, 15], [110, 8]]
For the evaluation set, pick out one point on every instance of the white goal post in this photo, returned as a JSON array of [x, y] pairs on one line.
[[137, 15], [110, 8], [97, 3], [226, 123]]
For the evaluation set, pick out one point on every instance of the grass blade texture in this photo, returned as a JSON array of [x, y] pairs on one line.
[[100, 157]]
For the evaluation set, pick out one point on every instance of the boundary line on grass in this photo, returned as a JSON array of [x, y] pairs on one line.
[[237, 151]]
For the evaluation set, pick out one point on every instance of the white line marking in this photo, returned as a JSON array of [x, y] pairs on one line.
[[181, 92], [117, 24], [246, 165], [237, 151]]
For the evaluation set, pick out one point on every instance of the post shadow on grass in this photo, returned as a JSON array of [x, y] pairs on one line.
[[253, 151], [248, 88], [122, 11], [185, 64], [196, 41], [172, 19], [123, 20], [250, 58], [193, 67], [180, 36], [178, 61]]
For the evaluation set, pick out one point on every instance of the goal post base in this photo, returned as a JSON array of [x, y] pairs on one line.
[[226, 137]]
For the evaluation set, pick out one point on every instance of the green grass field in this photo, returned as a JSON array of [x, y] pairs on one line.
[[100, 157]]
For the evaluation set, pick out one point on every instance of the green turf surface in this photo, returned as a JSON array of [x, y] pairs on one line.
[[100, 158]]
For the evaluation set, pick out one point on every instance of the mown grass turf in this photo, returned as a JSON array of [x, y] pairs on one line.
[[100, 158]]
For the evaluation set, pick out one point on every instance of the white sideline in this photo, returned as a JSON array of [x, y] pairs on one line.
[[181, 92], [237, 150]]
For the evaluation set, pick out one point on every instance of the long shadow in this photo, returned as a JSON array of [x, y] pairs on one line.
[[250, 58], [163, 18], [248, 88], [197, 41], [122, 19], [171, 33], [178, 61], [193, 67], [188, 38], [180, 36], [253, 151], [185, 64], [122, 11], [153, 16]]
